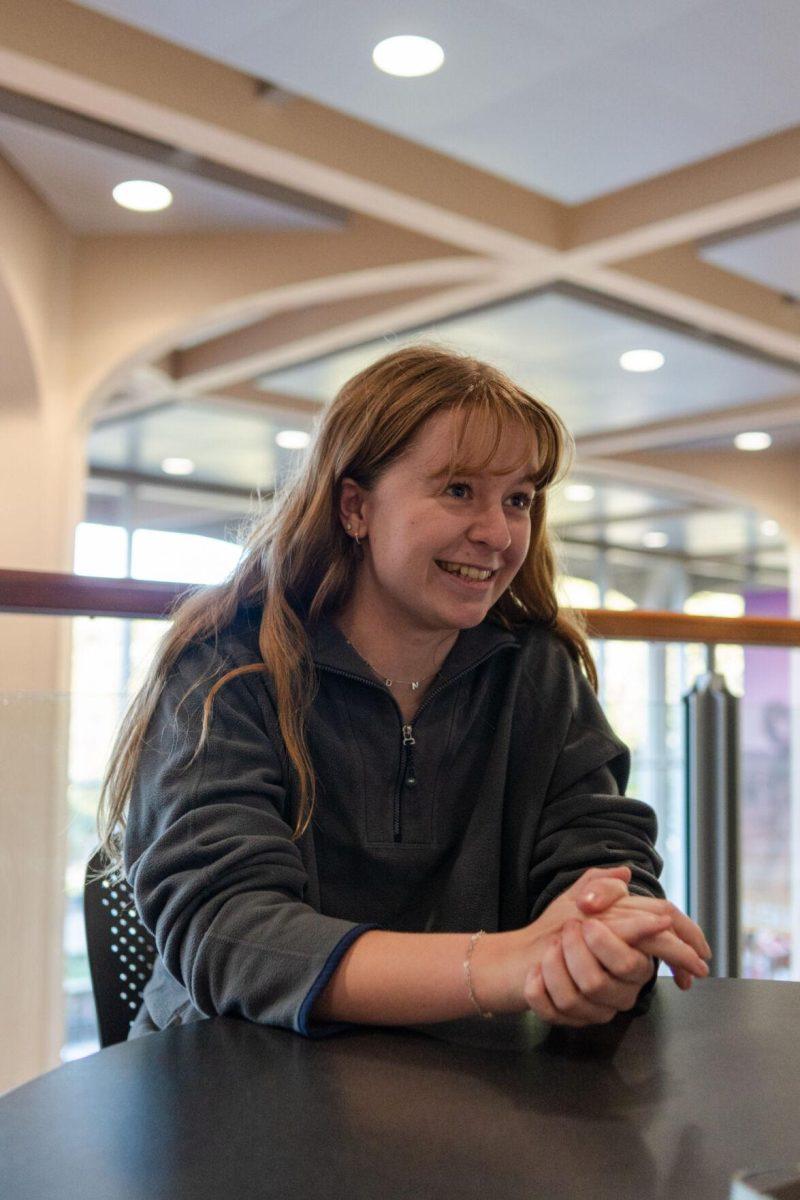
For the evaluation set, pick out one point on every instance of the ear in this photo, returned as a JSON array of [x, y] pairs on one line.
[[352, 499]]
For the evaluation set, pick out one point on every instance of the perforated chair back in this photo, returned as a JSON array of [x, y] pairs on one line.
[[121, 951]]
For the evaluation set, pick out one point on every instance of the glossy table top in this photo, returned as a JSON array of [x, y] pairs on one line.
[[668, 1104]]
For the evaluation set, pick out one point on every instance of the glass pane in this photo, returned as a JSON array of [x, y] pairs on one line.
[[767, 733], [110, 657], [641, 688], [641, 684]]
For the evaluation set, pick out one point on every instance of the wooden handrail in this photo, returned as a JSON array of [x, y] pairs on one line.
[[55, 594], [51, 594], [643, 625]]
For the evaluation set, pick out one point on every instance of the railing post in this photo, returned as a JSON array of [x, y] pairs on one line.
[[712, 817]]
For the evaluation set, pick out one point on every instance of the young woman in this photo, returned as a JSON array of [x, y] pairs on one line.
[[368, 779]]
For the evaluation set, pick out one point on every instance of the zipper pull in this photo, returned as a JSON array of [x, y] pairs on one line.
[[409, 741]]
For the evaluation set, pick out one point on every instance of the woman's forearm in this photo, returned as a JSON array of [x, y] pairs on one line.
[[387, 978], [412, 978]]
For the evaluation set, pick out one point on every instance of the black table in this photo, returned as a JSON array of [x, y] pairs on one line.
[[668, 1104]]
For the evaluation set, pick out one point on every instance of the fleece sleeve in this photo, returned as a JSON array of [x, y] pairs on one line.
[[215, 875], [587, 820]]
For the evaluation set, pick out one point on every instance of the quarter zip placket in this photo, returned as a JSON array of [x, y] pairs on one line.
[[406, 776]]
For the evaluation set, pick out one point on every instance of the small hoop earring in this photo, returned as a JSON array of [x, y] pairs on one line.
[[355, 535]]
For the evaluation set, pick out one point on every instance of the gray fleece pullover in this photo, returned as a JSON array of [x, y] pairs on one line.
[[509, 784]]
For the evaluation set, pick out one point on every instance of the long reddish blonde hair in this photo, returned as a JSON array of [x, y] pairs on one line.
[[299, 563]]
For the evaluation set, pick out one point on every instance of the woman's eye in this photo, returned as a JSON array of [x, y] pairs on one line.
[[522, 500], [459, 490]]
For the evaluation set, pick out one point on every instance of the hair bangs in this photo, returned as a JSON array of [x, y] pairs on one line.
[[555, 444], [479, 431], [487, 412]]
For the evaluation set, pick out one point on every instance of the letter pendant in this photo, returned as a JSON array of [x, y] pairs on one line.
[[414, 686]]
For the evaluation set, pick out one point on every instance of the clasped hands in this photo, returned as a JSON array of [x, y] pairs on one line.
[[594, 948]]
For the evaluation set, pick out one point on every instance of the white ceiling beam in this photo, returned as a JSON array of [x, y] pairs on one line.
[[246, 397], [719, 423], [706, 317], [63, 54], [661, 477], [751, 183], [440, 305], [239, 354]]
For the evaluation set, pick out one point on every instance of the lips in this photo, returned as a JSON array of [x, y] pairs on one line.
[[466, 571]]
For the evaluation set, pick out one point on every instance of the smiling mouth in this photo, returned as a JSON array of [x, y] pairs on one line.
[[480, 574]]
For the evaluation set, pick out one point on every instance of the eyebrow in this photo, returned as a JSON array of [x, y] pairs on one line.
[[529, 477]]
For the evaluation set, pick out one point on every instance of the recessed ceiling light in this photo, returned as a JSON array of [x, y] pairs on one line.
[[293, 439], [408, 56], [770, 528], [641, 360], [142, 196], [177, 466], [655, 539], [752, 441], [579, 492]]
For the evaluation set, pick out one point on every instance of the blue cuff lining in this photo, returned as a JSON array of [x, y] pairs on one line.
[[319, 1028]]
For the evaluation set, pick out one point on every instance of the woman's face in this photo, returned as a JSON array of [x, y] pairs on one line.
[[439, 552]]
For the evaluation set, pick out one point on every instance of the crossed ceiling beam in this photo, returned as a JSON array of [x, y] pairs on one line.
[[638, 245]]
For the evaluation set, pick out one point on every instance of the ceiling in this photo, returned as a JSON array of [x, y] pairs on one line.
[[654, 204], [76, 178], [565, 348], [768, 254], [572, 99]]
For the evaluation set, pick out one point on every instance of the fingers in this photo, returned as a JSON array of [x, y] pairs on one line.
[[682, 978], [538, 1001], [625, 962], [675, 953], [565, 995], [587, 882], [633, 925], [588, 973], [685, 928], [620, 872], [601, 893], [689, 931]]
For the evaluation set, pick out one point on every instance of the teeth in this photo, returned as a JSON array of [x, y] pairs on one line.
[[465, 572]]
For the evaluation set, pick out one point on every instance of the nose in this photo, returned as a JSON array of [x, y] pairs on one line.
[[490, 527]]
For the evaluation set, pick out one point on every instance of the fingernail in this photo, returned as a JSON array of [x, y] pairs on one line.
[[591, 897]]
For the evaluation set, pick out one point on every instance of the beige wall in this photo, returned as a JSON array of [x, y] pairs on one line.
[[41, 487]]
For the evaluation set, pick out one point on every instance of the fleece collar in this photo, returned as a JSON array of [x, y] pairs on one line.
[[330, 649]]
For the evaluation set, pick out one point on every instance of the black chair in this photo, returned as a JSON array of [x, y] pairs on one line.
[[121, 951]]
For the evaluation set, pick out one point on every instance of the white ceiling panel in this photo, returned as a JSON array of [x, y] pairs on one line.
[[572, 99], [566, 351], [770, 256], [75, 178]]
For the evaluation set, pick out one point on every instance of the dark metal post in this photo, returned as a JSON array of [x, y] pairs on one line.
[[712, 817]]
